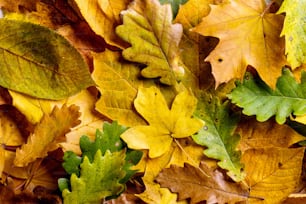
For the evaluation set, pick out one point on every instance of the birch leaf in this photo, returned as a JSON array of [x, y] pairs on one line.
[[249, 35], [154, 40], [294, 31], [47, 134]]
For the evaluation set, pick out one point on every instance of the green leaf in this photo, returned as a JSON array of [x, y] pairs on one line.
[[218, 135], [175, 5], [294, 30], [154, 40], [109, 139], [39, 62], [98, 180], [257, 98], [71, 163]]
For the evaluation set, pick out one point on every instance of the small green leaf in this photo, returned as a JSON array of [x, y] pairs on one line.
[[218, 135], [39, 62], [257, 98], [98, 179], [63, 183], [71, 163]]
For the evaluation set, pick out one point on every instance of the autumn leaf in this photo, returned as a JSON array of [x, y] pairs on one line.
[[175, 4], [266, 134], [294, 31], [47, 134], [98, 179], [103, 17], [154, 40], [51, 67], [188, 181], [257, 98], [272, 173], [165, 125], [15, 6], [118, 82], [249, 35], [218, 135]]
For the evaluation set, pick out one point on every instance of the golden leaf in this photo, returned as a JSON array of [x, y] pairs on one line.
[[249, 35], [164, 124], [47, 134], [272, 173]]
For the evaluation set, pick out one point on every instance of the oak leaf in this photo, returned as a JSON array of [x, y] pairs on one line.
[[47, 134], [154, 40], [218, 135], [118, 82], [103, 17], [165, 124], [188, 181], [272, 173], [294, 30], [266, 134], [257, 98], [249, 35]]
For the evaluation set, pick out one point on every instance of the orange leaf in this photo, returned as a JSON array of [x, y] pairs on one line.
[[249, 35]]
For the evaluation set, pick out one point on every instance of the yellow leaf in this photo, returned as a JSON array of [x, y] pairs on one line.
[[118, 82], [266, 134], [272, 173], [103, 17], [47, 134], [148, 27], [164, 124], [249, 35]]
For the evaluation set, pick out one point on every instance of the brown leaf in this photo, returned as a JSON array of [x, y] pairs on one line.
[[191, 182], [18, 6], [47, 134]]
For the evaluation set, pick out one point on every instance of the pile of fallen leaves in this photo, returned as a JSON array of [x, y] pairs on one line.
[[147, 101]]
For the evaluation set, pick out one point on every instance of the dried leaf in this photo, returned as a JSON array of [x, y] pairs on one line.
[[272, 173], [189, 181], [164, 124], [51, 67], [154, 40], [249, 35], [18, 6], [47, 134]]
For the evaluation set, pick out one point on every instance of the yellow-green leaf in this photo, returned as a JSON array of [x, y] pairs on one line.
[[154, 40], [294, 31], [36, 61]]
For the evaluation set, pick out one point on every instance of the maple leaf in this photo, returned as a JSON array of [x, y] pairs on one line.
[[98, 180], [51, 67], [118, 81], [294, 30], [188, 181], [249, 35], [164, 125], [154, 40], [47, 134], [218, 135], [274, 175], [103, 17], [256, 98], [266, 134]]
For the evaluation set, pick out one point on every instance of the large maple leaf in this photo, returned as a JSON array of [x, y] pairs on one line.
[[164, 124], [249, 35], [148, 27], [294, 31], [188, 181]]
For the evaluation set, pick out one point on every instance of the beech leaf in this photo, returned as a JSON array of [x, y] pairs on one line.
[[98, 179], [47, 134], [294, 31], [256, 98], [43, 63], [218, 135], [164, 124], [272, 173], [188, 181], [249, 25], [154, 40]]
